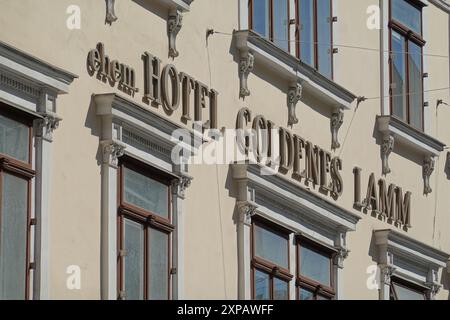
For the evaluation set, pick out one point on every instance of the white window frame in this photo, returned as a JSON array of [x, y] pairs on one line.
[[33, 86], [119, 115], [294, 208]]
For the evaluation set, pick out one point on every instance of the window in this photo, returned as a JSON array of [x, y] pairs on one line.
[[313, 40], [270, 263], [314, 272], [145, 231], [401, 290], [270, 19], [314, 34], [406, 64], [16, 175]]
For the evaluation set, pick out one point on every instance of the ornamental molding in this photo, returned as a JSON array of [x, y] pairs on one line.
[[46, 125], [174, 24], [181, 184], [246, 211], [427, 170], [110, 11], [294, 95], [112, 150], [246, 64], [387, 146], [336, 121]]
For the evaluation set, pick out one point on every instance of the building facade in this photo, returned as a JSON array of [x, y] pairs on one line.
[[216, 149]]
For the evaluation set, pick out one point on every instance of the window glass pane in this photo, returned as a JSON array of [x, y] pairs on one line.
[[262, 286], [306, 295], [159, 265], [280, 290], [146, 193], [324, 37], [280, 24], [13, 237], [134, 260], [261, 17], [407, 14], [306, 14], [398, 76], [415, 85], [315, 266], [14, 139], [404, 293], [271, 247]]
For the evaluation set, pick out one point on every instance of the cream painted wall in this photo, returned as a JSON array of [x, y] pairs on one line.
[[39, 28]]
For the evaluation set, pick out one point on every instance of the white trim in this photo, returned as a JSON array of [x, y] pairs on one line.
[[32, 85], [289, 205], [384, 56], [122, 118], [243, 15], [408, 259]]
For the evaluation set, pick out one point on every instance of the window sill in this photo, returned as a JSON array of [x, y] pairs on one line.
[[394, 130], [302, 78], [402, 256]]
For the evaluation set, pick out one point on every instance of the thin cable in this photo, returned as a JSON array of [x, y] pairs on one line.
[[408, 94], [339, 45]]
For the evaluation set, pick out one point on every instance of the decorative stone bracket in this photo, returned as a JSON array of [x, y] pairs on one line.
[[112, 151], [387, 145], [293, 97], [427, 170], [336, 121], [180, 185], [46, 125], [246, 64], [447, 163], [394, 130], [174, 24], [246, 211], [110, 11]]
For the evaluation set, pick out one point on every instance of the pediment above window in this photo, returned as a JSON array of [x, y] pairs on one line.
[[404, 257], [254, 50], [290, 205]]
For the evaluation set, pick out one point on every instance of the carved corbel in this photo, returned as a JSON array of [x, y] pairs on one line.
[[180, 185], [110, 11], [44, 127], [387, 145], [246, 211], [246, 63], [174, 24], [112, 151], [427, 170], [340, 256], [294, 95], [386, 272], [447, 163], [336, 121]]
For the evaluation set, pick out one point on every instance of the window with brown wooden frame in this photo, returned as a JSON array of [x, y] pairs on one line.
[[403, 290], [313, 40], [144, 232], [16, 175], [270, 262], [406, 62], [315, 276]]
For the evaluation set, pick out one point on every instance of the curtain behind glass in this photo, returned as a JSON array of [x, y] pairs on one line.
[[14, 139], [134, 260], [13, 237], [159, 265]]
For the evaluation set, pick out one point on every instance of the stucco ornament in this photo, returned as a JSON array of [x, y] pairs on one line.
[[174, 24], [45, 126], [181, 185], [110, 11], [112, 151], [337, 119], [428, 168], [293, 97], [246, 211], [245, 67], [387, 145], [447, 163]]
